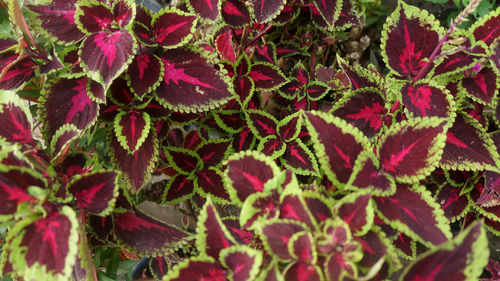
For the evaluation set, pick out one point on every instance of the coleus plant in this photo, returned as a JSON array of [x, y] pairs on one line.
[[278, 159]]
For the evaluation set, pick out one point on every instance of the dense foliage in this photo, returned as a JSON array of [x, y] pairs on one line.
[[276, 157]]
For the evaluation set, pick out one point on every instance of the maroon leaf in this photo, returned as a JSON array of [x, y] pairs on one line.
[[482, 86], [355, 213], [235, 13], [263, 125], [272, 146], [299, 158], [288, 131], [159, 267], [190, 83], [243, 86], [247, 174], [490, 196], [210, 182], [123, 12], [207, 9], [425, 100], [16, 126], [368, 175], [94, 17], [172, 27], [406, 245], [488, 28], [95, 192], [144, 74], [292, 207], [276, 234], [467, 145], [105, 55], [409, 40], [14, 183], [178, 188], [225, 46], [47, 243], [266, 10], [244, 140], [145, 235], [242, 261], [213, 235], [67, 101], [364, 109], [131, 129], [266, 76], [453, 204], [302, 271], [339, 147], [198, 268], [453, 63], [418, 219], [182, 160], [212, 153], [57, 19], [373, 250], [348, 16], [329, 10], [266, 53], [318, 207], [17, 74], [412, 151], [461, 259], [102, 227], [137, 167]]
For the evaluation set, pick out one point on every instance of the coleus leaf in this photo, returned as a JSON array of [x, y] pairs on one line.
[[172, 28], [191, 83], [159, 267], [454, 63], [212, 152], [95, 192], [206, 9], [299, 159], [362, 108], [276, 234], [14, 184], [359, 77], [144, 74], [259, 206], [368, 175], [101, 227], [225, 46], [302, 248], [337, 145], [490, 196], [69, 101], [136, 168], [246, 173], [411, 149], [409, 37], [17, 119], [105, 55], [329, 10], [196, 268], [62, 140], [348, 16], [376, 246], [179, 188], [17, 74], [212, 234], [243, 262], [272, 146], [266, 10], [266, 53], [132, 128], [487, 28], [56, 20], [425, 99], [453, 204], [235, 13], [93, 16], [357, 211], [482, 86], [303, 271], [266, 76], [462, 258], [185, 161], [293, 207], [261, 123], [144, 235], [412, 211], [45, 247], [495, 56], [209, 182], [468, 146]]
